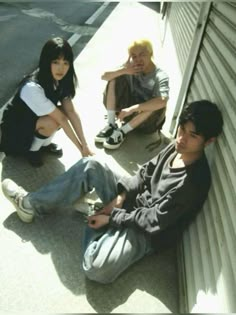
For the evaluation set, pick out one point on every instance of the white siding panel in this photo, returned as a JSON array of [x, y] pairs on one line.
[[211, 240], [183, 19]]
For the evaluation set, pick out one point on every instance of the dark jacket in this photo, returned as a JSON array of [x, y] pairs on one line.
[[162, 201]]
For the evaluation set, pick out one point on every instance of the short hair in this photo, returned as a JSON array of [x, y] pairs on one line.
[[143, 42], [205, 116]]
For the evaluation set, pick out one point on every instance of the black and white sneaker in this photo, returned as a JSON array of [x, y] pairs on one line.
[[115, 140], [105, 133]]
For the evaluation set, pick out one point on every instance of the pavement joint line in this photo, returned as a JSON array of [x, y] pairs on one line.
[[75, 37], [72, 40], [97, 13]]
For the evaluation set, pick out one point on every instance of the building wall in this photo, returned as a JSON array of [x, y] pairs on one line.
[[178, 28], [183, 21], [208, 250]]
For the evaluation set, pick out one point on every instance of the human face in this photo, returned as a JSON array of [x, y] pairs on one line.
[[141, 57], [188, 142], [59, 68]]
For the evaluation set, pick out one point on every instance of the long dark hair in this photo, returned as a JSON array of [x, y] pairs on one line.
[[53, 49]]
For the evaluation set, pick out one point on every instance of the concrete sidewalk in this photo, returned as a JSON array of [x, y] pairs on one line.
[[40, 266]]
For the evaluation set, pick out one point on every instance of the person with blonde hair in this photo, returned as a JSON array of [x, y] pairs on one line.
[[136, 94], [138, 215], [141, 42]]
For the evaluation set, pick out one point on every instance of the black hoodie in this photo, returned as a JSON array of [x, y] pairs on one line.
[[160, 200]]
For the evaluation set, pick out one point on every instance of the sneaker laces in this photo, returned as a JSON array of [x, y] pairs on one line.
[[18, 196], [107, 127], [117, 134]]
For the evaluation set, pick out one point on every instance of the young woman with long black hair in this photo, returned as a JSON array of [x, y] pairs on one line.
[[42, 105]]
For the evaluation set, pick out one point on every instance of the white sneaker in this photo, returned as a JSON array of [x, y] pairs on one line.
[[89, 204], [115, 140], [82, 207], [15, 194]]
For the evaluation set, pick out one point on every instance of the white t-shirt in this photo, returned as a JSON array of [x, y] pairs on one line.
[[34, 96]]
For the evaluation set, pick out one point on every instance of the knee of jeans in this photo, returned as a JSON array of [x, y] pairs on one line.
[[89, 162], [95, 164]]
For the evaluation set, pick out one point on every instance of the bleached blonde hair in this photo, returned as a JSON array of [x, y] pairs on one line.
[[143, 42]]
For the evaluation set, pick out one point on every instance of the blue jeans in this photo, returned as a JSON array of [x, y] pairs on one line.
[[110, 250]]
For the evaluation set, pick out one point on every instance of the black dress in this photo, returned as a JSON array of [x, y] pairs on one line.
[[19, 122]]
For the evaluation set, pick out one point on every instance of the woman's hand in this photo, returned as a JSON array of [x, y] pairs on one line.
[[86, 151]]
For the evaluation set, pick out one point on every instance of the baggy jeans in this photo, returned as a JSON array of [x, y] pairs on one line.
[[110, 250]]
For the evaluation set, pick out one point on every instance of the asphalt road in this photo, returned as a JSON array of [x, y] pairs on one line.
[[26, 26]]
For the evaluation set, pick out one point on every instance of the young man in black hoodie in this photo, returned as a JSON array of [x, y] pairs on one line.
[[141, 213]]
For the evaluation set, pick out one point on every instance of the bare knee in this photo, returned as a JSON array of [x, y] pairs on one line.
[[46, 126]]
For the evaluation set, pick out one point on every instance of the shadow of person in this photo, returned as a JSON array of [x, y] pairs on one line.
[[154, 275], [60, 235], [31, 178], [154, 5], [137, 149]]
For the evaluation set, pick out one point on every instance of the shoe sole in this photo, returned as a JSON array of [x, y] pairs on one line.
[[99, 140], [24, 217], [112, 146]]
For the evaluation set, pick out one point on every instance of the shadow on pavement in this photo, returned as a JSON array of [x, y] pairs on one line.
[[153, 5], [105, 298], [138, 149], [31, 178], [60, 235]]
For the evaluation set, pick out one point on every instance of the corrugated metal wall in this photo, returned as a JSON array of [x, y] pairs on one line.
[[183, 19], [209, 245]]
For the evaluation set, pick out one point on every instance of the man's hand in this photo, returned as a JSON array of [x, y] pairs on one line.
[[115, 203], [98, 220], [101, 218], [132, 68], [125, 112]]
